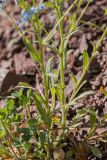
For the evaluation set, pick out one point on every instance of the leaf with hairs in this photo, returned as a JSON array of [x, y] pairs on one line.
[[85, 59], [40, 109], [96, 151], [33, 52], [74, 80], [80, 113], [79, 97]]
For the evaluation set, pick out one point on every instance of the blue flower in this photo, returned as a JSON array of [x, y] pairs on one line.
[[41, 6], [25, 16], [33, 10]]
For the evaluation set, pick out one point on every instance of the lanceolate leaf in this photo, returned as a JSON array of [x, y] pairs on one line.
[[40, 109], [96, 151], [90, 111], [92, 120], [80, 113], [80, 96], [40, 98], [33, 52], [38, 105], [58, 91], [74, 79], [85, 59], [48, 67]]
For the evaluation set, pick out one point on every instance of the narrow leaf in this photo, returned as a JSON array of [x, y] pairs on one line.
[[85, 59], [96, 151], [92, 120], [74, 79], [80, 113], [34, 54], [40, 109], [80, 96]]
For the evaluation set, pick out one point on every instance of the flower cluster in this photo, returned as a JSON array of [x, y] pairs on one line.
[[26, 15]]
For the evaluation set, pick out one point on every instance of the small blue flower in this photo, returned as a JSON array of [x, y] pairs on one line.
[[42, 7], [25, 16], [33, 10]]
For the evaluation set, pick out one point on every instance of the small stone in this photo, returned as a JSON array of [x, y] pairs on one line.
[[58, 154]]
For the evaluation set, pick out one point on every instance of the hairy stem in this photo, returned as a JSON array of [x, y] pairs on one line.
[[60, 20], [62, 68], [43, 66]]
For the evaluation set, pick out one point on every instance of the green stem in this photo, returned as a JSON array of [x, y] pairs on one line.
[[78, 7], [60, 20], [61, 54], [62, 68], [85, 71], [37, 28], [45, 82], [8, 130], [47, 147], [83, 11], [101, 39], [28, 111]]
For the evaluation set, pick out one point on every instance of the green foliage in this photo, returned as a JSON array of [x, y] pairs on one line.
[[27, 134], [32, 50], [96, 151]]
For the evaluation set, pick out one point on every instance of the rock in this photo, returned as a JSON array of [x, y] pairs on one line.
[[58, 154], [11, 80], [24, 65]]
